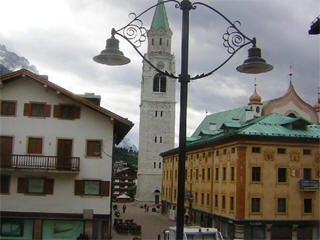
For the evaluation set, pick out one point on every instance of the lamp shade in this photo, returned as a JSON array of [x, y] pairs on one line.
[[254, 64], [111, 55]]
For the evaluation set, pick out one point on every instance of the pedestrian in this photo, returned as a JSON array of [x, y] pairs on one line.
[[124, 207]]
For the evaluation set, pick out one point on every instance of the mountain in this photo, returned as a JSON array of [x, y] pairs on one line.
[[10, 61], [128, 144]]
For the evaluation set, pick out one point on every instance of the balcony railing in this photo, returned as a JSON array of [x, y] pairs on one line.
[[40, 162], [309, 185]]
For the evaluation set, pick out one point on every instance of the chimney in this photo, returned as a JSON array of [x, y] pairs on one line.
[[91, 97]]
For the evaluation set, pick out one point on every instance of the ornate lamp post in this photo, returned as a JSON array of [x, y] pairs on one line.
[[134, 33]]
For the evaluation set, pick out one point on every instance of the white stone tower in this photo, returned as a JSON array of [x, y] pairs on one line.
[[157, 108]]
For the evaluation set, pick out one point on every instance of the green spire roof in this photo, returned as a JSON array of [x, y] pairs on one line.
[[160, 19]]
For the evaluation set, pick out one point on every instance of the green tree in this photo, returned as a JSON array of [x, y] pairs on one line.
[[132, 191]]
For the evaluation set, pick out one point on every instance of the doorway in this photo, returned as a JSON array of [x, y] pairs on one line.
[[64, 154], [6, 143]]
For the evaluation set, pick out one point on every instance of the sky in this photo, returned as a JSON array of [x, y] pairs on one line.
[[60, 37]]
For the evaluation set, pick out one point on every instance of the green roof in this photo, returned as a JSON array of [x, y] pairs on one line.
[[160, 19], [271, 125], [220, 118]]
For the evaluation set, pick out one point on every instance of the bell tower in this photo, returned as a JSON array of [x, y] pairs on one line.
[[157, 108]]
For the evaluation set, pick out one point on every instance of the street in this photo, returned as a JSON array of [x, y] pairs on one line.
[[152, 223]]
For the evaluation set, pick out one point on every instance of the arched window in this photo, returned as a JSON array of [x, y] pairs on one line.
[[159, 83], [257, 110]]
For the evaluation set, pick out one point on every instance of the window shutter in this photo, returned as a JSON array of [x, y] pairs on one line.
[[78, 187], [48, 186], [27, 109], [47, 110], [56, 111], [104, 188], [5, 183], [76, 112], [22, 185]]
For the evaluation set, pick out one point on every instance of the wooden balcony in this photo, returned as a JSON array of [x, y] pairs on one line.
[[309, 185], [54, 163]]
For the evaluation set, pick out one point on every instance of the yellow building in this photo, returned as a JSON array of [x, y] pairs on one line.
[[252, 172]]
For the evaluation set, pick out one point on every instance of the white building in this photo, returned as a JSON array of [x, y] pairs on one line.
[[56, 160], [157, 108]]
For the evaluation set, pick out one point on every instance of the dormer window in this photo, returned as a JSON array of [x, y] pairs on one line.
[[159, 83]]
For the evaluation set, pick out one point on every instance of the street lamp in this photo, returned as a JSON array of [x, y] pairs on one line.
[[135, 34]]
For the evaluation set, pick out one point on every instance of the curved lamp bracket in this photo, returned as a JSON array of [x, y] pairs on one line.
[[233, 39], [135, 34]]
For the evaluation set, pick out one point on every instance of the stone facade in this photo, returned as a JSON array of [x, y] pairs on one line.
[[157, 109]]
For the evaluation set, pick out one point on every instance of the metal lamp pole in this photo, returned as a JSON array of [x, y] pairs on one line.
[[134, 33]]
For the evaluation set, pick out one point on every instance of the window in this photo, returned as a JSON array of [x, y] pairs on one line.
[[160, 139], [307, 173], [233, 150], [197, 174], [12, 228], [35, 185], [223, 202], [231, 204], [281, 205], [91, 187], [217, 153], [5, 184], [232, 173], [8, 108], [154, 164], [255, 205], [208, 198], [255, 174], [196, 197], [307, 205], [159, 83], [159, 164], [208, 174], [203, 174], [152, 41], [216, 200], [160, 42], [94, 148], [34, 145], [190, 174], [282, 174], [37, 109], [224, 174], [255, 149], [161, 113], [155, 139], [156, 113], [66, 112], [217, 174], [202, 198], [306, 152], [281, 150], [224, 151]]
